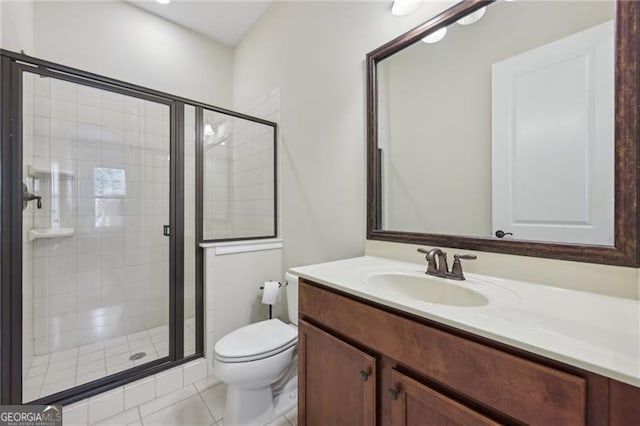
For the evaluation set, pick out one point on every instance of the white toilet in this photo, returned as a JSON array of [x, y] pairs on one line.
[[257, 364]]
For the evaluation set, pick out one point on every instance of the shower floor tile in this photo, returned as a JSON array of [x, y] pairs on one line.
[[72, 367]]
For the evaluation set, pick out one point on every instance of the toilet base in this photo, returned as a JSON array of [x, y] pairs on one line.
[[248, 407], [287, 400], [251, 407]]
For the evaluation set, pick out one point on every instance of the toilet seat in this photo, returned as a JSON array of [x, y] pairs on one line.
[[256, 341]]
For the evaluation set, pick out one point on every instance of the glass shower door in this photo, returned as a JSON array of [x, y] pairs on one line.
[[96, 260]]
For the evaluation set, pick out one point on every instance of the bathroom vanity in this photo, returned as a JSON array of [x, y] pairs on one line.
[[376, 353]]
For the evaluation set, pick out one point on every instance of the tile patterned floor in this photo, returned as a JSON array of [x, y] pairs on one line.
[[199, 404], [62, 370]]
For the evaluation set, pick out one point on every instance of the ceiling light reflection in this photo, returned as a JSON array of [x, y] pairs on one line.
[[472, 18], [435, 36], [404, 7]]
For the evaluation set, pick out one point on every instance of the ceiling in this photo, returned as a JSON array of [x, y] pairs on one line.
[[226, 21]]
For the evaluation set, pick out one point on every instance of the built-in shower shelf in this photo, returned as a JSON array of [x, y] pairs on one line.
[[37, 233], [47, 172]]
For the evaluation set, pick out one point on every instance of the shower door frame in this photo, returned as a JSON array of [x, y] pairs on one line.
[[13, 66]]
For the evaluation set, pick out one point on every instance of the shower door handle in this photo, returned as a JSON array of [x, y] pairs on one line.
[[27, 196], [166, 230]]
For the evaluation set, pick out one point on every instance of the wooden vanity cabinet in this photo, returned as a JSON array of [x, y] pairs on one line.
[[422, 373]]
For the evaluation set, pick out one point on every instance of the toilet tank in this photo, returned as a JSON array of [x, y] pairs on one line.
[[292, 297]]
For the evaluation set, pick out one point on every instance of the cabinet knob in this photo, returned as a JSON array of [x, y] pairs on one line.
[[393, 393], [365, 375]]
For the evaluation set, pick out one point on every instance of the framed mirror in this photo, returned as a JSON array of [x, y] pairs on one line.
[[510, 127]]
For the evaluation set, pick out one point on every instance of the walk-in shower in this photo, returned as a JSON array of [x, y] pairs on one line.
[[93, 260], [102, 199]]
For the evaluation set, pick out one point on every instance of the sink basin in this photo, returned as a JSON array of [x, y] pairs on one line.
[[425, 289]]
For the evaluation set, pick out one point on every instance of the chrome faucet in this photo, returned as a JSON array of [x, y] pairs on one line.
[[438, 267]]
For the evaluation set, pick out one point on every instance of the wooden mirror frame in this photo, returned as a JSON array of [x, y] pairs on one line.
[[625, 251]]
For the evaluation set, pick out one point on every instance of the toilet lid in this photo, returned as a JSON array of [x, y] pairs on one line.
[[251, 341]]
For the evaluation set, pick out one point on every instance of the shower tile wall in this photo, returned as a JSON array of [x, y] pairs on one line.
[[238, 179], [218, 183], [253, 170], [111, 277]]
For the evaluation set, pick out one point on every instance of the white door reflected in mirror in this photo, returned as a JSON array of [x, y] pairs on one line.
[[553, 140]]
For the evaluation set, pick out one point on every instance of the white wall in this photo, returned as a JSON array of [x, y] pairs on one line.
[[17, 25], [314, 53], [120, 41]]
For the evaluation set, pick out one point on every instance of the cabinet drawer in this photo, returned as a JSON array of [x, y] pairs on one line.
[[522, 389]]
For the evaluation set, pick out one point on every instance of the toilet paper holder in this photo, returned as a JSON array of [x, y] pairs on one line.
[[270, 306], [279, 285]]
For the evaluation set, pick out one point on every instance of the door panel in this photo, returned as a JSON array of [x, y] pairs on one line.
[[552, 117], [96, 267]]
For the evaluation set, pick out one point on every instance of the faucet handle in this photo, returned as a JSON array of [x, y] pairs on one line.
[[456, 268], [443, 266], [464, 256]]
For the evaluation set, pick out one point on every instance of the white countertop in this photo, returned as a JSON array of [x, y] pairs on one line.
[[593, 332]]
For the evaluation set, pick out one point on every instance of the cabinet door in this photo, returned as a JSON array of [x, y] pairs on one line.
[[417, 404], [337, 381], [625, 404]]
